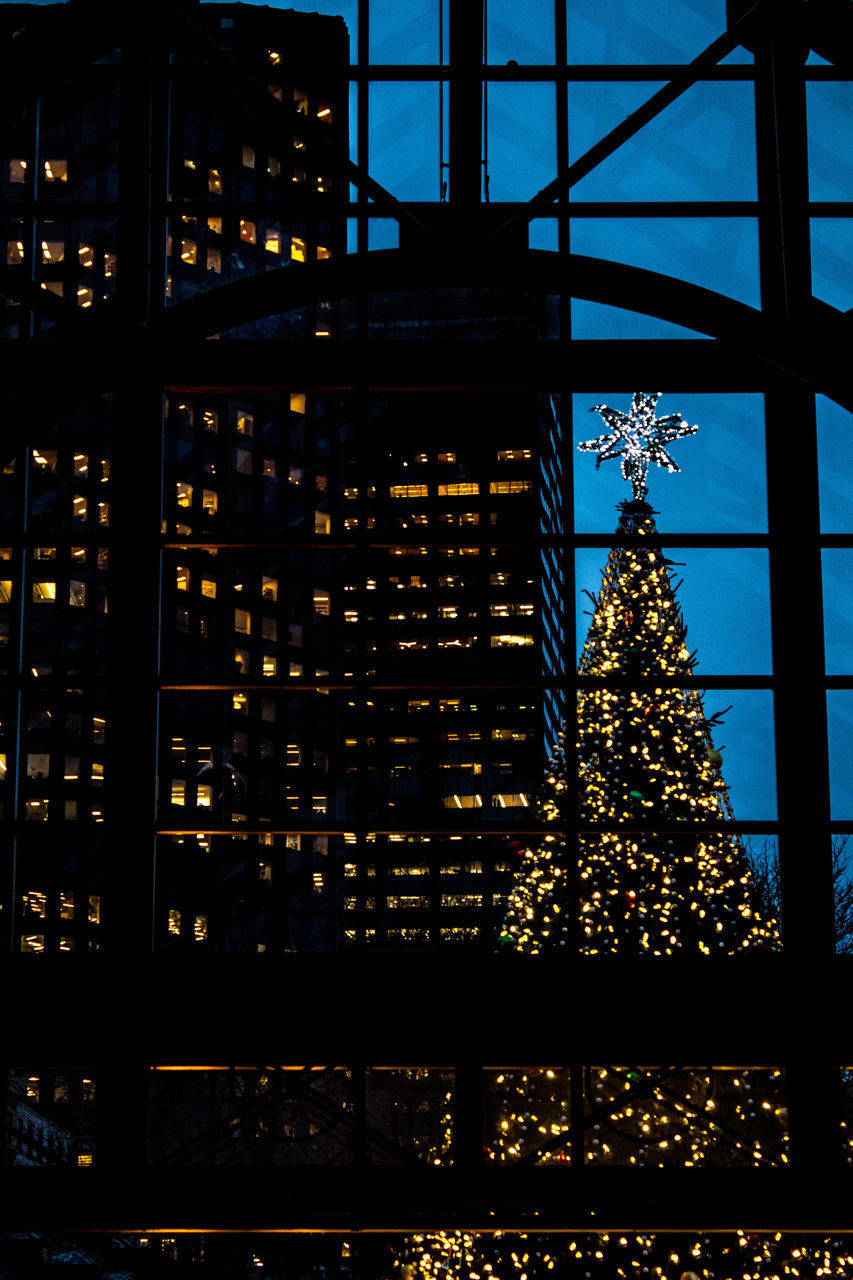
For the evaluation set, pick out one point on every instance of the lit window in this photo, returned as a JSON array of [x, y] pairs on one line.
[[209, 501], [190, 164], [17, 170], [182, 577], [214, 181], [324, 113], [322, 602], [510, 486], [274, 57], [299, 174], [319, 806], [439, 457], [241, 664], [184, 494], [204, 795], [510, 800], [45, 459], [200, 929], [215, 225], [53, 250], [248, 231], [14, 251], [79, 507], [239, 701], [323, 253], [242, 621], [297, 249], [458, 490], [103, 513], [36, 810], [270, 468], [514, 455], [188, 251], [5, 591], [210, 420], [56, 170], [269, 667], [214, 260], [322, 522], [297, 402], [85, 297], [463, 802], [179, 790], [77, 593], [408, 491], [174, 922], [94, 915], [510, 641], [81, 464], [248, 156], [272, 241], [43, 591], [34, 903], [300, 101]]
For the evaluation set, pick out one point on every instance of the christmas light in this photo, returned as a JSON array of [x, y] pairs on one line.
[[638, 438]]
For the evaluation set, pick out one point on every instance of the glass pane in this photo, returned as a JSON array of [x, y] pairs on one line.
[[668, 31], [404, 139], [717, 253], [837, 574], [721, 486], [247, 1116], [839, 709], [701, 147], [842, 886], [528, 1115], [730, 731], [404, 33], [829, 106], [409, 1113], [686, 1117], [521, 35], [832, 268], [522, 148], [598, 320], [835, 466], [50, 1118], [723, 597]]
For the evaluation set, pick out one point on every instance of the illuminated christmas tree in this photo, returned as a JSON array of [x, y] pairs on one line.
[[647, 763], [649, 774]]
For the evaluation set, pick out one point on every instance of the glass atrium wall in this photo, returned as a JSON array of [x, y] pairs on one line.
[[352, 715]]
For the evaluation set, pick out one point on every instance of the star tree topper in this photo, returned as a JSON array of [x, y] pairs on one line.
[[638, 438]]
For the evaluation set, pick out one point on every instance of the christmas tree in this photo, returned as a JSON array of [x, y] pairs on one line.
[[646, 760], [661, 874]]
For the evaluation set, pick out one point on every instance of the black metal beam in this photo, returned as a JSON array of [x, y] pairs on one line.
[[428, 1008]]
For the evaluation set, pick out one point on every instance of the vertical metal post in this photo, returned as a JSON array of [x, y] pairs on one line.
[[466, 103], [781, 48]]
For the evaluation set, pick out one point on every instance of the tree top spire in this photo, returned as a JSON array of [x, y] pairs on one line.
[[638, 438]]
